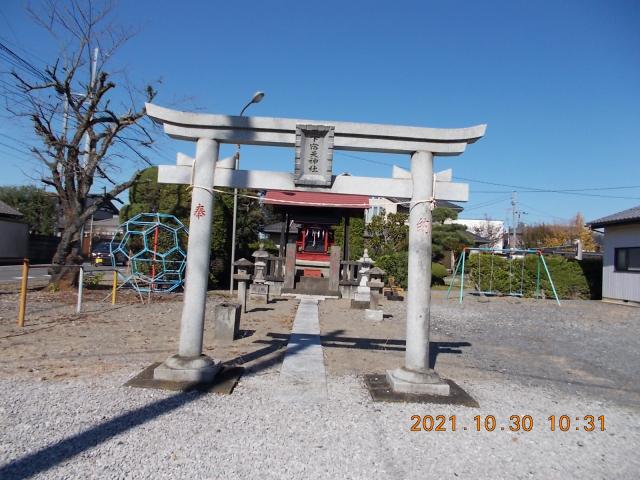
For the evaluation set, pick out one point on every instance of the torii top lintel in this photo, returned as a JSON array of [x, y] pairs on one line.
[[282, 132]]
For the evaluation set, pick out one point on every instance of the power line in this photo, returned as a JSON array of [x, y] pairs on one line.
[[15, 140], [542, 212], [18, 61], [375, 162], [522, 189], [487, 204], [13, 155], [13, 148], [562, 190], [18, 47], [577, 192]]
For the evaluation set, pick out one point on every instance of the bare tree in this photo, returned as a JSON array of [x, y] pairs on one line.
[[489, 230], [104, 128]]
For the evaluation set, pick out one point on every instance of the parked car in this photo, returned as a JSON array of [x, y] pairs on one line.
[[101, 255]]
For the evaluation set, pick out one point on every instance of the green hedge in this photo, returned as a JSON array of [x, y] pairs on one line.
[[438, 272], [512, 276], [396, 265]]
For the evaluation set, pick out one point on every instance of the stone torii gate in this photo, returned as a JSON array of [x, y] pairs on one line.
[[314, 143]]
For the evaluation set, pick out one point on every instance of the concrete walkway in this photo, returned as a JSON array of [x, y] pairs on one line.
[[302, 376]]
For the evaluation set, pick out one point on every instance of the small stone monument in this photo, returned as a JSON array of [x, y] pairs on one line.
[[259, 290], [243, 276], [226, 322], [362, 298], [375, 285]]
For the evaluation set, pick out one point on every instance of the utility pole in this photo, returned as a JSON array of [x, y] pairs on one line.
[[515, 220], [65, 119], [94, 65], [514, 203]]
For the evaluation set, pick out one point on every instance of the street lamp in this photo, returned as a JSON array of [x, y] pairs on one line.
[[257, 98]]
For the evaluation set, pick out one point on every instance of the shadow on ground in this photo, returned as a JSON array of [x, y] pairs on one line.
[[63, 450]]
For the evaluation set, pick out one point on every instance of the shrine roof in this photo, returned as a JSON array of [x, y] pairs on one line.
[[316, 199]]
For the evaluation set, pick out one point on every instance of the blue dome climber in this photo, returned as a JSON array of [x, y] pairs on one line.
[[154, 245]]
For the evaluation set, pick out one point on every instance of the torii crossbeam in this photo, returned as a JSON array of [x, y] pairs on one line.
[[314, 142]]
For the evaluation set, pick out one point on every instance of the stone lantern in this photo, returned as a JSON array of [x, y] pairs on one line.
[[259, 290], [376, 285], [243, 275], [362, 297]]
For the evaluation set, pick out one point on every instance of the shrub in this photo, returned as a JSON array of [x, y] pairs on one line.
[[396, 265], [93, 280], [438, 272], [267, 245]]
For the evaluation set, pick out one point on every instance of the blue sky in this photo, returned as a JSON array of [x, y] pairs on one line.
[[556, 82]]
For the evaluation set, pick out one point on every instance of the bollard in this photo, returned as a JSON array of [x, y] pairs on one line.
[[23, 292], [80, 285], [114, 287]]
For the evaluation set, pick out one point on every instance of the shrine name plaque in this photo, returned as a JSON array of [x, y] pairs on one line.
[[314, 155]]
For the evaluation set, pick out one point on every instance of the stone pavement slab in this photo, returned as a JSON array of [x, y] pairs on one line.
[[303, 376]]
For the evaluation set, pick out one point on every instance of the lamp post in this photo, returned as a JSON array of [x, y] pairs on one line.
[[257, 98]]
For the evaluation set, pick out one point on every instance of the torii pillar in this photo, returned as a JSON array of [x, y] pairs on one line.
[[416, 376], [190, 364]]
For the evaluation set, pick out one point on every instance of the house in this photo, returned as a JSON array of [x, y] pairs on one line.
[[385, 205], [621, 263], [101, 226], [98, 231], [14, 234]]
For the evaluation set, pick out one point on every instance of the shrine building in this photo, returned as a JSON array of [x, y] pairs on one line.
[[309, 220]]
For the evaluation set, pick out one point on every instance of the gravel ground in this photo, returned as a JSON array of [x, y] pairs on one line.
[[521, 358], [101, 430], [583, 347]]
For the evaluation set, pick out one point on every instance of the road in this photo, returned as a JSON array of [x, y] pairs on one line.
[[13, 273]]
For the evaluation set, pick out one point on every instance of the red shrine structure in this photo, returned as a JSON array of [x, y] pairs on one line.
[[309, 219]]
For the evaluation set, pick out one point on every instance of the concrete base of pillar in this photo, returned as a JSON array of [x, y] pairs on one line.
[[275, 288], [259, 293], [187, 369], [360, 296], [359, 304], [374, 315], [407, 381]]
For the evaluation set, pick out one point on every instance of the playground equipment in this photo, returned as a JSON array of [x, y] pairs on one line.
[[153, 244], [484, 280]]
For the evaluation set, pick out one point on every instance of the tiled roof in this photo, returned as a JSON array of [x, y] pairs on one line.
[[277, 228], [8, 211], [631, 215], [477, 238], [439, 203], [316, 199]]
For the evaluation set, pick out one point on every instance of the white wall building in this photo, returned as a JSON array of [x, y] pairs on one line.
[[380, 206], [621, 262]]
